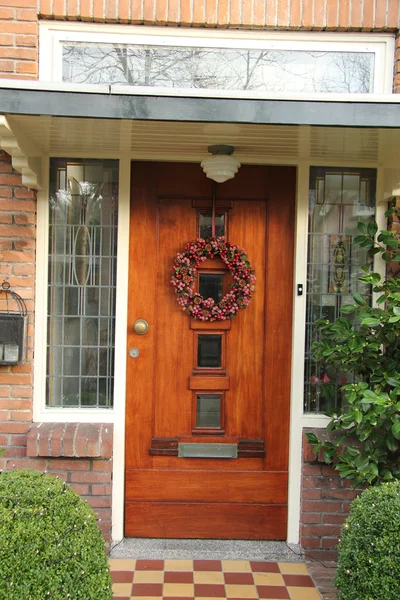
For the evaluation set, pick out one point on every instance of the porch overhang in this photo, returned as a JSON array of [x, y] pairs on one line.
[[111, 121], [124, 102]]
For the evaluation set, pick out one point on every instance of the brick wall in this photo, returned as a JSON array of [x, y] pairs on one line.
[[79, 453], [17, 263], [19, 39], [325, 503], [363, 15]]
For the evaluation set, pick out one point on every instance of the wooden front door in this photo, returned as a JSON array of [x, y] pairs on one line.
[[210, 384]]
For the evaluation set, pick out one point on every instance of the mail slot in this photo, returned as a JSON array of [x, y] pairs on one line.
[[207, 450]]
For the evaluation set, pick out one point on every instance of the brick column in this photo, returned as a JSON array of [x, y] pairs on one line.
[[78, 453], [325, 503], [17, 263]]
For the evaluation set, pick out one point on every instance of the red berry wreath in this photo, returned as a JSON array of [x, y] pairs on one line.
[[185, 274]]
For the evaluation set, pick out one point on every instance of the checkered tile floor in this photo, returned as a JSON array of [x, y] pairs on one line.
[[210, 579]]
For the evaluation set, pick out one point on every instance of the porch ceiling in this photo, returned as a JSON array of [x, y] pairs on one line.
[[167, 140]]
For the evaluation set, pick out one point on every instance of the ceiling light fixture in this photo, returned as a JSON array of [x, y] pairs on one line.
[[221, 166]]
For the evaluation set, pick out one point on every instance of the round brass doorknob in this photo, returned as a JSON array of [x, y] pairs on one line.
[[140, 326]]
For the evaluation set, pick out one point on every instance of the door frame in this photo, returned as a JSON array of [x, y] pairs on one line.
[[297, 419], [274, 194]]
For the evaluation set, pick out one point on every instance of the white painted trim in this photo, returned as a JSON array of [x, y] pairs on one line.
[[128, 90], [298, 345], [52, 34], [13, 141], [121, 325], [41, 413], [39, 363]]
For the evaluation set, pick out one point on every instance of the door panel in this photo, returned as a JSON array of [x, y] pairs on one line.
[[183, 486], [171, 496], [240, 521]]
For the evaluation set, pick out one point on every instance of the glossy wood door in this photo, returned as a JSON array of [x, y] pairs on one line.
[[235, 498]]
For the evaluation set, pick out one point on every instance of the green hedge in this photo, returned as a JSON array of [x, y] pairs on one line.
[[369, 551], [50, 544]]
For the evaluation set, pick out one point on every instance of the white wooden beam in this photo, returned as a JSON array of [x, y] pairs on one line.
[[29, 166]]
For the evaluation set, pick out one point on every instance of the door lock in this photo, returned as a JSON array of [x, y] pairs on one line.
[[134, 352]]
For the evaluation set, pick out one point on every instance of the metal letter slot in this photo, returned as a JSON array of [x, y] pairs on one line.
[[207, 450], [140, 326]]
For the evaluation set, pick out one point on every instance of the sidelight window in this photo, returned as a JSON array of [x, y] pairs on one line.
[[82, 283], [338, 200]]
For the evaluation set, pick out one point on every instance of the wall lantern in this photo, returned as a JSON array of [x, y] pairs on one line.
[[221, 166], [13, 326]]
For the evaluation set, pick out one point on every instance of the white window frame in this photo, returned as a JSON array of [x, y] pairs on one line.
[[41, 412], [52, 35]]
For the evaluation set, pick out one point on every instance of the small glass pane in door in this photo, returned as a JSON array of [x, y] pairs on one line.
[[205, 225], [208, 411], [210, 286], [209, 351]]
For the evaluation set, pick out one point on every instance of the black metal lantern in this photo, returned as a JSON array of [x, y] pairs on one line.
[[13, 326]]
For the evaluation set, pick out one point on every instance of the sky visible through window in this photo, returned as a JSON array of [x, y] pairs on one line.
[[219, 68]]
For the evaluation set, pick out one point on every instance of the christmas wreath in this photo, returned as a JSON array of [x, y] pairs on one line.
[[185, 274]]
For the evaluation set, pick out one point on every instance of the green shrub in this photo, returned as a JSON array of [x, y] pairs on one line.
[[50, 544], [369, 550]]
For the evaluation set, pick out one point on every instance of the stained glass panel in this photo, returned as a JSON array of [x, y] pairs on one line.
[[82, 282], [338, 200]]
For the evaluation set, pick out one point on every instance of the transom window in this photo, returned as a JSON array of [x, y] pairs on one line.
[[219, 68], [231, 62]]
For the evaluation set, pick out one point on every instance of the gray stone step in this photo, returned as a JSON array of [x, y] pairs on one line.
[[206, 550]]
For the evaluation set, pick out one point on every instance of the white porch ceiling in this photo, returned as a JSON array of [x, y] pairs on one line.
[[161, 140]]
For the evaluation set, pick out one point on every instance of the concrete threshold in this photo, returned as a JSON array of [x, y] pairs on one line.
[[196, 549]]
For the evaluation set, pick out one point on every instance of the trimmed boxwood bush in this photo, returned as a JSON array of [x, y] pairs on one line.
[[50, 544], [369, 550]]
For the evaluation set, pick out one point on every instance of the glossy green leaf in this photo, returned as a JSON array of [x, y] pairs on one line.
[[396, 430], [359, 299]]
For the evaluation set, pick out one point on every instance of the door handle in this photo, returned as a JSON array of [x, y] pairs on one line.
[[140, 326]]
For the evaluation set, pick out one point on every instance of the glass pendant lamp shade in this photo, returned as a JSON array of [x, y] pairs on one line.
[[221, 166]]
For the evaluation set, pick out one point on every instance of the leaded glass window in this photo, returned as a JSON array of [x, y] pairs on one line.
[[338, 200], [82, 283]]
